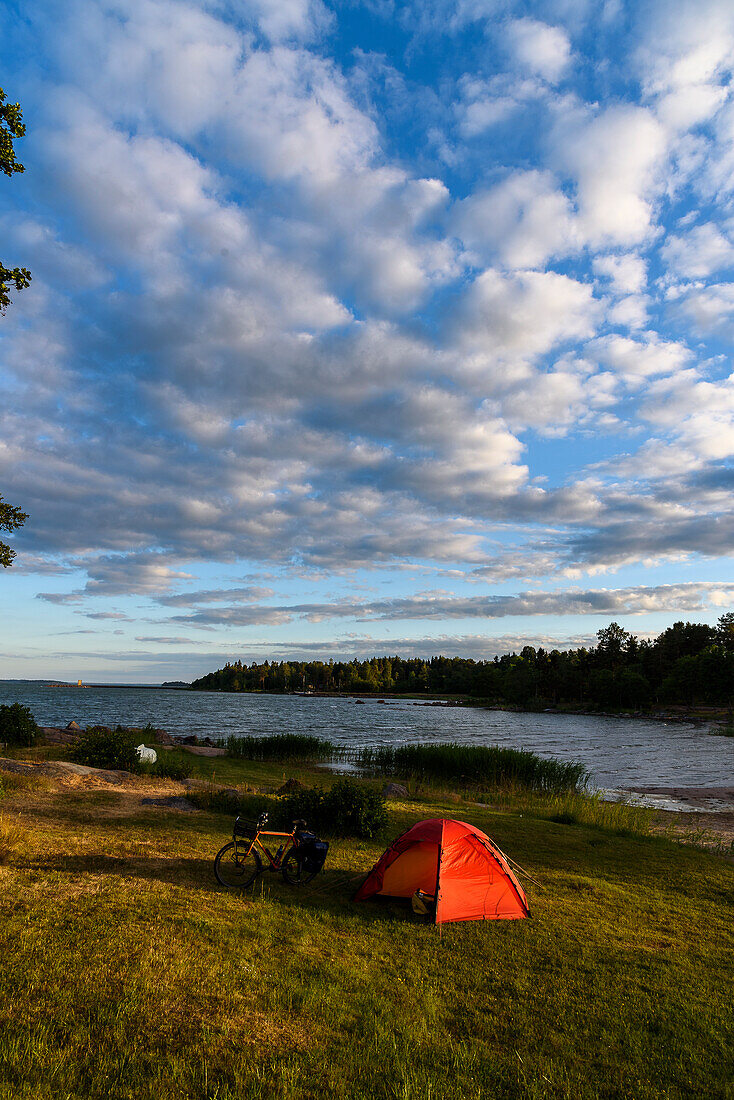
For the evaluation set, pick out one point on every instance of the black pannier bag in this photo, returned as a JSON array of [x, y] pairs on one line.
[[313, 854]]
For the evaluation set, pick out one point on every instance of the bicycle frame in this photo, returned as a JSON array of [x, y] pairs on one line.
[[276, 862]]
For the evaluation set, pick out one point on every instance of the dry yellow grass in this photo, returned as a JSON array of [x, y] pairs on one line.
[[12, 836]]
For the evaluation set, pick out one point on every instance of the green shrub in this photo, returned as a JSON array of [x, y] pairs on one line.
[[348, 809], [17, 725], [167, 768], [307, 804], [99, 747], [355, 809]]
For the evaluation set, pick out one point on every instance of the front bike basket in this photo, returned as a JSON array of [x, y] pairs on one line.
[[245, 828]]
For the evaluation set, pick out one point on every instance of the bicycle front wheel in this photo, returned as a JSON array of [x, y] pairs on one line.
[[235, 867], [294, 871]]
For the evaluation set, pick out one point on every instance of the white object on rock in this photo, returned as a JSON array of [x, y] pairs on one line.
[[147, 756]]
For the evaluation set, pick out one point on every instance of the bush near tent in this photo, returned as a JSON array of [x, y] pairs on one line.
[[453, 862]]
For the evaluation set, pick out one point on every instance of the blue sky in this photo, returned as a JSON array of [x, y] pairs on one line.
[[364, 327]]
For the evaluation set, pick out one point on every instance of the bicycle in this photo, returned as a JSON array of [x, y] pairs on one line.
[[239, 863]]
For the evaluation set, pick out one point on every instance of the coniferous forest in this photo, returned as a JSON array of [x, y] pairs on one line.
[[688, 664]]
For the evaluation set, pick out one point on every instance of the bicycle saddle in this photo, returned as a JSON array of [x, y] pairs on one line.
[[300, 824]]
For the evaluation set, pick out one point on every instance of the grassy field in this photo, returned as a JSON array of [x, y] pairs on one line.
[[126, 972]]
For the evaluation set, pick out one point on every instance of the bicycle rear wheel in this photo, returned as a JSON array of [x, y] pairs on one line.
[[235, 867], [294, 871]]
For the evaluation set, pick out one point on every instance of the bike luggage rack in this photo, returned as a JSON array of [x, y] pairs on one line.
[[245, 828]]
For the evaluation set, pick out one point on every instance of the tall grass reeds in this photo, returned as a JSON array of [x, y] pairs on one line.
[[285, 747], [476, 764], [577, 808]]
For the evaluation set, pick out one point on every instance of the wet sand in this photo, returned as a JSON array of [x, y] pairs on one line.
[[700, 815], [688, 792], [697, 798]]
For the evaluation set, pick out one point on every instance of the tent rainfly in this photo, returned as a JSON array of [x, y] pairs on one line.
[[453, 862]]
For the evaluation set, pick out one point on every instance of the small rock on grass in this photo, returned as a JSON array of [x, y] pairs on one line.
[[289, 786], [395, 790]]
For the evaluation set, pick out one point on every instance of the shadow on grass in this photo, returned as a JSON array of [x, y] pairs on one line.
[[333, 890], [193, 873], [329, 889]]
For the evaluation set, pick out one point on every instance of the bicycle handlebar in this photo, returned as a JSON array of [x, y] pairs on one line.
[[242, 826]]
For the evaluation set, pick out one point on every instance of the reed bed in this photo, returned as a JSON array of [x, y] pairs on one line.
[[283, 747], [577, 808], [475, 764]]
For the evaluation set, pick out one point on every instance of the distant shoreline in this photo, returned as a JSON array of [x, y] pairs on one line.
[[701, 714]]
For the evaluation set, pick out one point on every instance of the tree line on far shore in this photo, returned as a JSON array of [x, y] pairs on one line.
[[687, 664]]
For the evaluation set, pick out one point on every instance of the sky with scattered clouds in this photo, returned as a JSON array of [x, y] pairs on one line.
[[364, 327]]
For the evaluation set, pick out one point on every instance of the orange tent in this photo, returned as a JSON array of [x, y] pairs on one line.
[[454, 862]]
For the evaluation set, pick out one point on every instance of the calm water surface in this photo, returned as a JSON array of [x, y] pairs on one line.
[[617, 751]]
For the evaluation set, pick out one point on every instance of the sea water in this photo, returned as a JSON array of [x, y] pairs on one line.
[[618, 752]]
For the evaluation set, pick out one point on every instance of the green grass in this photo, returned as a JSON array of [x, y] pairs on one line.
[[37, 752], [253, 774], [125, 972], [474, 763]]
